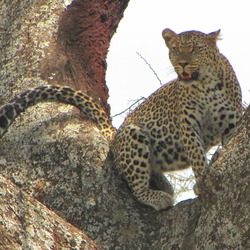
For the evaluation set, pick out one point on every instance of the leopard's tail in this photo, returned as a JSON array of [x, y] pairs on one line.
[[47, 93]]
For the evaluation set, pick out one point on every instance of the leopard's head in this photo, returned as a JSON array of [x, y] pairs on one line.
[[192, 53]]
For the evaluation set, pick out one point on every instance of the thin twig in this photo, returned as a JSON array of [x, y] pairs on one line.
[[142, 98], [149, 67]]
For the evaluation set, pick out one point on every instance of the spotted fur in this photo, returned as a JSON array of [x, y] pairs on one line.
[[172, 129], [83, 102]]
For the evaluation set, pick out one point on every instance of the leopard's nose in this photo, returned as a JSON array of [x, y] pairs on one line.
[[183, 64]]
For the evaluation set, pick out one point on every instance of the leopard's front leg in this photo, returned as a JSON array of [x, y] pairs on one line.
[[195, 151]]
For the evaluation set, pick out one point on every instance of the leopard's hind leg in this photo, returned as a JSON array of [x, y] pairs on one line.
[[131, 149]]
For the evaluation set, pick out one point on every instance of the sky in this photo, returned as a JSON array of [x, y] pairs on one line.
[[130, 78]]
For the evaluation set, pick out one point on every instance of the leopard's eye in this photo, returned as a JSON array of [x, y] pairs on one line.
[[174, 50], [198, 48]]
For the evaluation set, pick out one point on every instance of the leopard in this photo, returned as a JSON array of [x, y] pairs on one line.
[[172, 129]]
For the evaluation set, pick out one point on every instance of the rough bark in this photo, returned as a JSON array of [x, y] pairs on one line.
[[225, 215], [25, 223], [59, 157]]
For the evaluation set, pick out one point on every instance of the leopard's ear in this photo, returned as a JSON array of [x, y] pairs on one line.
[[169, 36], [213, 37]]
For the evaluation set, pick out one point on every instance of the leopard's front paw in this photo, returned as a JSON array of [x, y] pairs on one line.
[[165, 201], [159, 200]]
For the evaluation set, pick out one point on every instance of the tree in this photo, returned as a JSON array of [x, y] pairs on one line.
[[55, 156]]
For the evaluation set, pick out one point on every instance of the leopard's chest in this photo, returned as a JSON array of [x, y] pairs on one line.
[[208, 113]]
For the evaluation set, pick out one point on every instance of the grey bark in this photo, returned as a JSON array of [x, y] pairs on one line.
[[25, 223], [54, 155]]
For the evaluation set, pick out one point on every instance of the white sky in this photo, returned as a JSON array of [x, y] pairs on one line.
[[129, 78]]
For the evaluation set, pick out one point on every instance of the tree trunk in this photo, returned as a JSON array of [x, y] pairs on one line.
[[54, 155], [27, 224]]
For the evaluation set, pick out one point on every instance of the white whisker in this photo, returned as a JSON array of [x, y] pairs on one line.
[[169, 72]]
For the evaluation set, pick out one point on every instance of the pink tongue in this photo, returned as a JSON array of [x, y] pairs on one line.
[[186, 76]]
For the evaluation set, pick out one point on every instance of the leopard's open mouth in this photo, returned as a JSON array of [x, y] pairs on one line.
[[187, 76]]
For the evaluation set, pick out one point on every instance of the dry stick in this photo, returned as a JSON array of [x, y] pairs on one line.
[[244, 106], [149, 66], [141, 97]]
